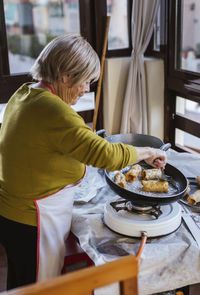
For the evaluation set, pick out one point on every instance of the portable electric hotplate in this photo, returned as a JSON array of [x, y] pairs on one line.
[[129, 219]]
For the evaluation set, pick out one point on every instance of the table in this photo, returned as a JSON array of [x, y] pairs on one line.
[[166, 263]]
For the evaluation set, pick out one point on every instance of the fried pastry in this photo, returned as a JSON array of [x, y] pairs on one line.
[[151, 174], [158, 186], [194, 198], [133, 173], [120, 179]]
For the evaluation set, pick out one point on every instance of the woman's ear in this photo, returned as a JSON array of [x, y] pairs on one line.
[[66, 80]]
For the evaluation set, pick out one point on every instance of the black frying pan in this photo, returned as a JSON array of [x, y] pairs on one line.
[[177, 181]]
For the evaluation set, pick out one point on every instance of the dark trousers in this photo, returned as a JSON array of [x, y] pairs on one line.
[[20, 243]]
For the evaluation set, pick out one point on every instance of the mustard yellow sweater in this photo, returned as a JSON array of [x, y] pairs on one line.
[[44, 146]]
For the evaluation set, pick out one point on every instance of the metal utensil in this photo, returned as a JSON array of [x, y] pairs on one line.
[[192, 226]]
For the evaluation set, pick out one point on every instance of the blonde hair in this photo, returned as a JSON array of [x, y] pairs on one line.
[[69, 55]]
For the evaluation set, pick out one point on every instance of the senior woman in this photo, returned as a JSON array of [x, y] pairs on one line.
[[44, 149]]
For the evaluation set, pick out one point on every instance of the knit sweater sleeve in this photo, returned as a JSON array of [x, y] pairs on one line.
[[72, 137]]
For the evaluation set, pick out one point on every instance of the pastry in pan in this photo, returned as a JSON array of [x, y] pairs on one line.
[[120, 179], [151, 174], [194, 198], [158, 186], [188, 188], [133, 173]]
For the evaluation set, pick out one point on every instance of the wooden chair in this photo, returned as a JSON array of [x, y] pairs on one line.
[[84, 281]]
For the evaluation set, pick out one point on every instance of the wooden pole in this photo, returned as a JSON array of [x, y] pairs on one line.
[[98, 95]]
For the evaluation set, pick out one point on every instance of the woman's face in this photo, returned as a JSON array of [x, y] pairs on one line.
[[77, 91]]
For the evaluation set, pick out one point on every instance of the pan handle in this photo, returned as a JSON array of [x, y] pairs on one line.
[[165, 146]]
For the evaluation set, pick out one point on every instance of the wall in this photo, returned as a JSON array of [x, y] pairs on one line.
[[154, 69], [114, 81], [114, 85]]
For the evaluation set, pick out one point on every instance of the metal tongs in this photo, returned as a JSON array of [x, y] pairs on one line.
[[192, 226]]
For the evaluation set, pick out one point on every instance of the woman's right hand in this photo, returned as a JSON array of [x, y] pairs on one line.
[[154, 157]]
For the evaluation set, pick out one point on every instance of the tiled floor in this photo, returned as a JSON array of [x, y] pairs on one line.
[[3, 269]]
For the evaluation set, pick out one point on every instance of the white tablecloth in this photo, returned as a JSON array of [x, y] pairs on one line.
[[166, 263]]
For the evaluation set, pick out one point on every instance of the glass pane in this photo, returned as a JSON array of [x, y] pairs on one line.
[[118, 31], [31, 25], [157, 31], [189, 55], [189, 108], [187, 140]]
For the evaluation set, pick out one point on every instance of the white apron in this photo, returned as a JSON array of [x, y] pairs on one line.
[[54, 214]]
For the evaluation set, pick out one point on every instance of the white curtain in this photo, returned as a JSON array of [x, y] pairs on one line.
[[134, 115]]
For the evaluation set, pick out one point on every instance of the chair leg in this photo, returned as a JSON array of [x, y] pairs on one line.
[[75, 257], [3, 269]]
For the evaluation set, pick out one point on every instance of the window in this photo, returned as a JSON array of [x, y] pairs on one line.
[[157, 43], [119, 36], [187, 141], [118, 32], [188, 55], [157, 31], [182, 100], [189, 109], [27, 26], [31, 25]]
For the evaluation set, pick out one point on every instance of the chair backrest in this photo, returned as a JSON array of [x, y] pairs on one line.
[[84, 281]]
